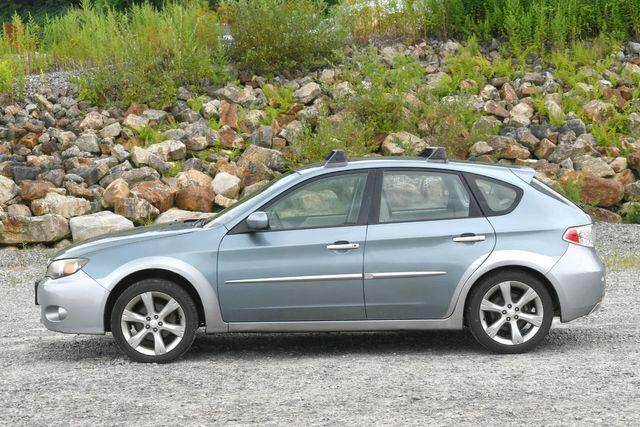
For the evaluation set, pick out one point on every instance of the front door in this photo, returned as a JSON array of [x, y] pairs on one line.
[[425, 234], [308, 264]]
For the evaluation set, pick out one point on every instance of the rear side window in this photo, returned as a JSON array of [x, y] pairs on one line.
[[422, 196], [495, 197]]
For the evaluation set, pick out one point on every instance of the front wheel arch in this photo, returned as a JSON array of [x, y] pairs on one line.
[[132, 278], [545, 281]]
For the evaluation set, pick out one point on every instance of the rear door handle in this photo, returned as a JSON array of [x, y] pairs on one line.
[[469, 237], [342, 246]]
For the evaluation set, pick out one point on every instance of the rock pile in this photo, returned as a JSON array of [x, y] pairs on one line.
[[71, 170]]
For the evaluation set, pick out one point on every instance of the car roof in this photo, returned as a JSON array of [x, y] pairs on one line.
[[513, 174]]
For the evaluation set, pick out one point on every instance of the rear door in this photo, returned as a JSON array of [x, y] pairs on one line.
[[425, 231]]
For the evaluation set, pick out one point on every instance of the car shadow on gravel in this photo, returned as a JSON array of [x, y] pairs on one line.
[[250, 346], [283, 345]]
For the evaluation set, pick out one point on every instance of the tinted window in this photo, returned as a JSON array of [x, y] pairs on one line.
[[496, 197], [421, 196], [325, 202]]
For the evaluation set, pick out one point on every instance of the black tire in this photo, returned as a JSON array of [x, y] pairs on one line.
[[174, 291], [476, 295]]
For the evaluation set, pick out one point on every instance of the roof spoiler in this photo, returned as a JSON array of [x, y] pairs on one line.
[[335, 159], [434, 154]]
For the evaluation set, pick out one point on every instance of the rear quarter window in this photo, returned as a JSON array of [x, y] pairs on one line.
[[495, 197]]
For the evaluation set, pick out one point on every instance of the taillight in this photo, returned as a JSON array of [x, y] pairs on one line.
[[583, 235]]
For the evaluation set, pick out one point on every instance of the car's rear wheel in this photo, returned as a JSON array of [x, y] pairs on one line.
[[509, 312], [154, 320]]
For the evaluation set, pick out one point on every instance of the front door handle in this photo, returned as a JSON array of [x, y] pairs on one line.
[[342, 245], [469, 237]]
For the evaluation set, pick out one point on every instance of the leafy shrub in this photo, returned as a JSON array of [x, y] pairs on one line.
[[349, 134], [142, 55], [632, 213], [275, 35], [380, 90]]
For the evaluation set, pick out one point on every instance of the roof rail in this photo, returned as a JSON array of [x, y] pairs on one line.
[[335, 159], [434, 154]]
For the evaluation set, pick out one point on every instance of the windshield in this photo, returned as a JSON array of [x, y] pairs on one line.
[[232, 211]]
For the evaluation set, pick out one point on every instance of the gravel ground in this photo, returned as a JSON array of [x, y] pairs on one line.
[[586, 372]]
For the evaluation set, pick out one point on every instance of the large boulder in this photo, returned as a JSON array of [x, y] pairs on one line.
[[594, 190], [117, 190], [37, 229], [226, 184], [31, 190], [307, 93], [131, 176], [193, 177], [157, 193], [594, 166], [399, 143], [66, 206], [507, 147], [178, 215], [8, 189], [88, 226], [273, 159], [137, 210], [597, 110], [192, 198]]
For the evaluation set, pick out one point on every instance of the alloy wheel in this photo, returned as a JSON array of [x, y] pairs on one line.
[[511, 313], [153, 323]]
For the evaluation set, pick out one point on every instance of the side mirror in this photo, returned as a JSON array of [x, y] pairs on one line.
[[258, 221]]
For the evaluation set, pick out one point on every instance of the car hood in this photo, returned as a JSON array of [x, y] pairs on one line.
[[124, 237]]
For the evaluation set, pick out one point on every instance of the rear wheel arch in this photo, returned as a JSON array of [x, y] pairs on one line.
[[522, 269], [132, 278]]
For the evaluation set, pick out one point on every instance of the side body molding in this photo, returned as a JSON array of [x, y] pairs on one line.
[[208, 296]]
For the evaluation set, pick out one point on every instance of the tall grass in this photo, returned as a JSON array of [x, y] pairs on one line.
[[142, 54], [276, 35], [525, 24]]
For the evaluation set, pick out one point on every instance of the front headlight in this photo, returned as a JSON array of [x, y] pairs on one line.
[[65, 267]]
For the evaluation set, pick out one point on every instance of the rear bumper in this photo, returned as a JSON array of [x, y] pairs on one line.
[[73, 304], [579, 280]]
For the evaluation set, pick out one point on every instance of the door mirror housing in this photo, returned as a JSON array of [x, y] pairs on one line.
[[258, 221]]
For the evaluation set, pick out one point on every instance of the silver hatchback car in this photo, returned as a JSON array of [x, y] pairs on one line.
[[373, 244]]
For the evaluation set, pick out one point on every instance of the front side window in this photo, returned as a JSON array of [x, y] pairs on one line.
[[326, 202], [422, 196]]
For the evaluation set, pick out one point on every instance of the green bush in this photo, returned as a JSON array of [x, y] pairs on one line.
[[277, 35], [143, 55], [632, 213]]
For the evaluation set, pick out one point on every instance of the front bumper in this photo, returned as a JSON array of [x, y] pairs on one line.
[[579, 280], [73, 304]]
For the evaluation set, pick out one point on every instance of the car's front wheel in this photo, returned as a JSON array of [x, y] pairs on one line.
[[154, 320], [509, 312]]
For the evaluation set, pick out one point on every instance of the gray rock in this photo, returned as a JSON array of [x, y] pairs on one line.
[[179, 215], [97, 224], [307, 93], [263, 136], [594, 166], [226, 184], [169, 150], [135, 122], [111, 131], [8, 189], [66, 206], [88, 142], [132, 176]]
